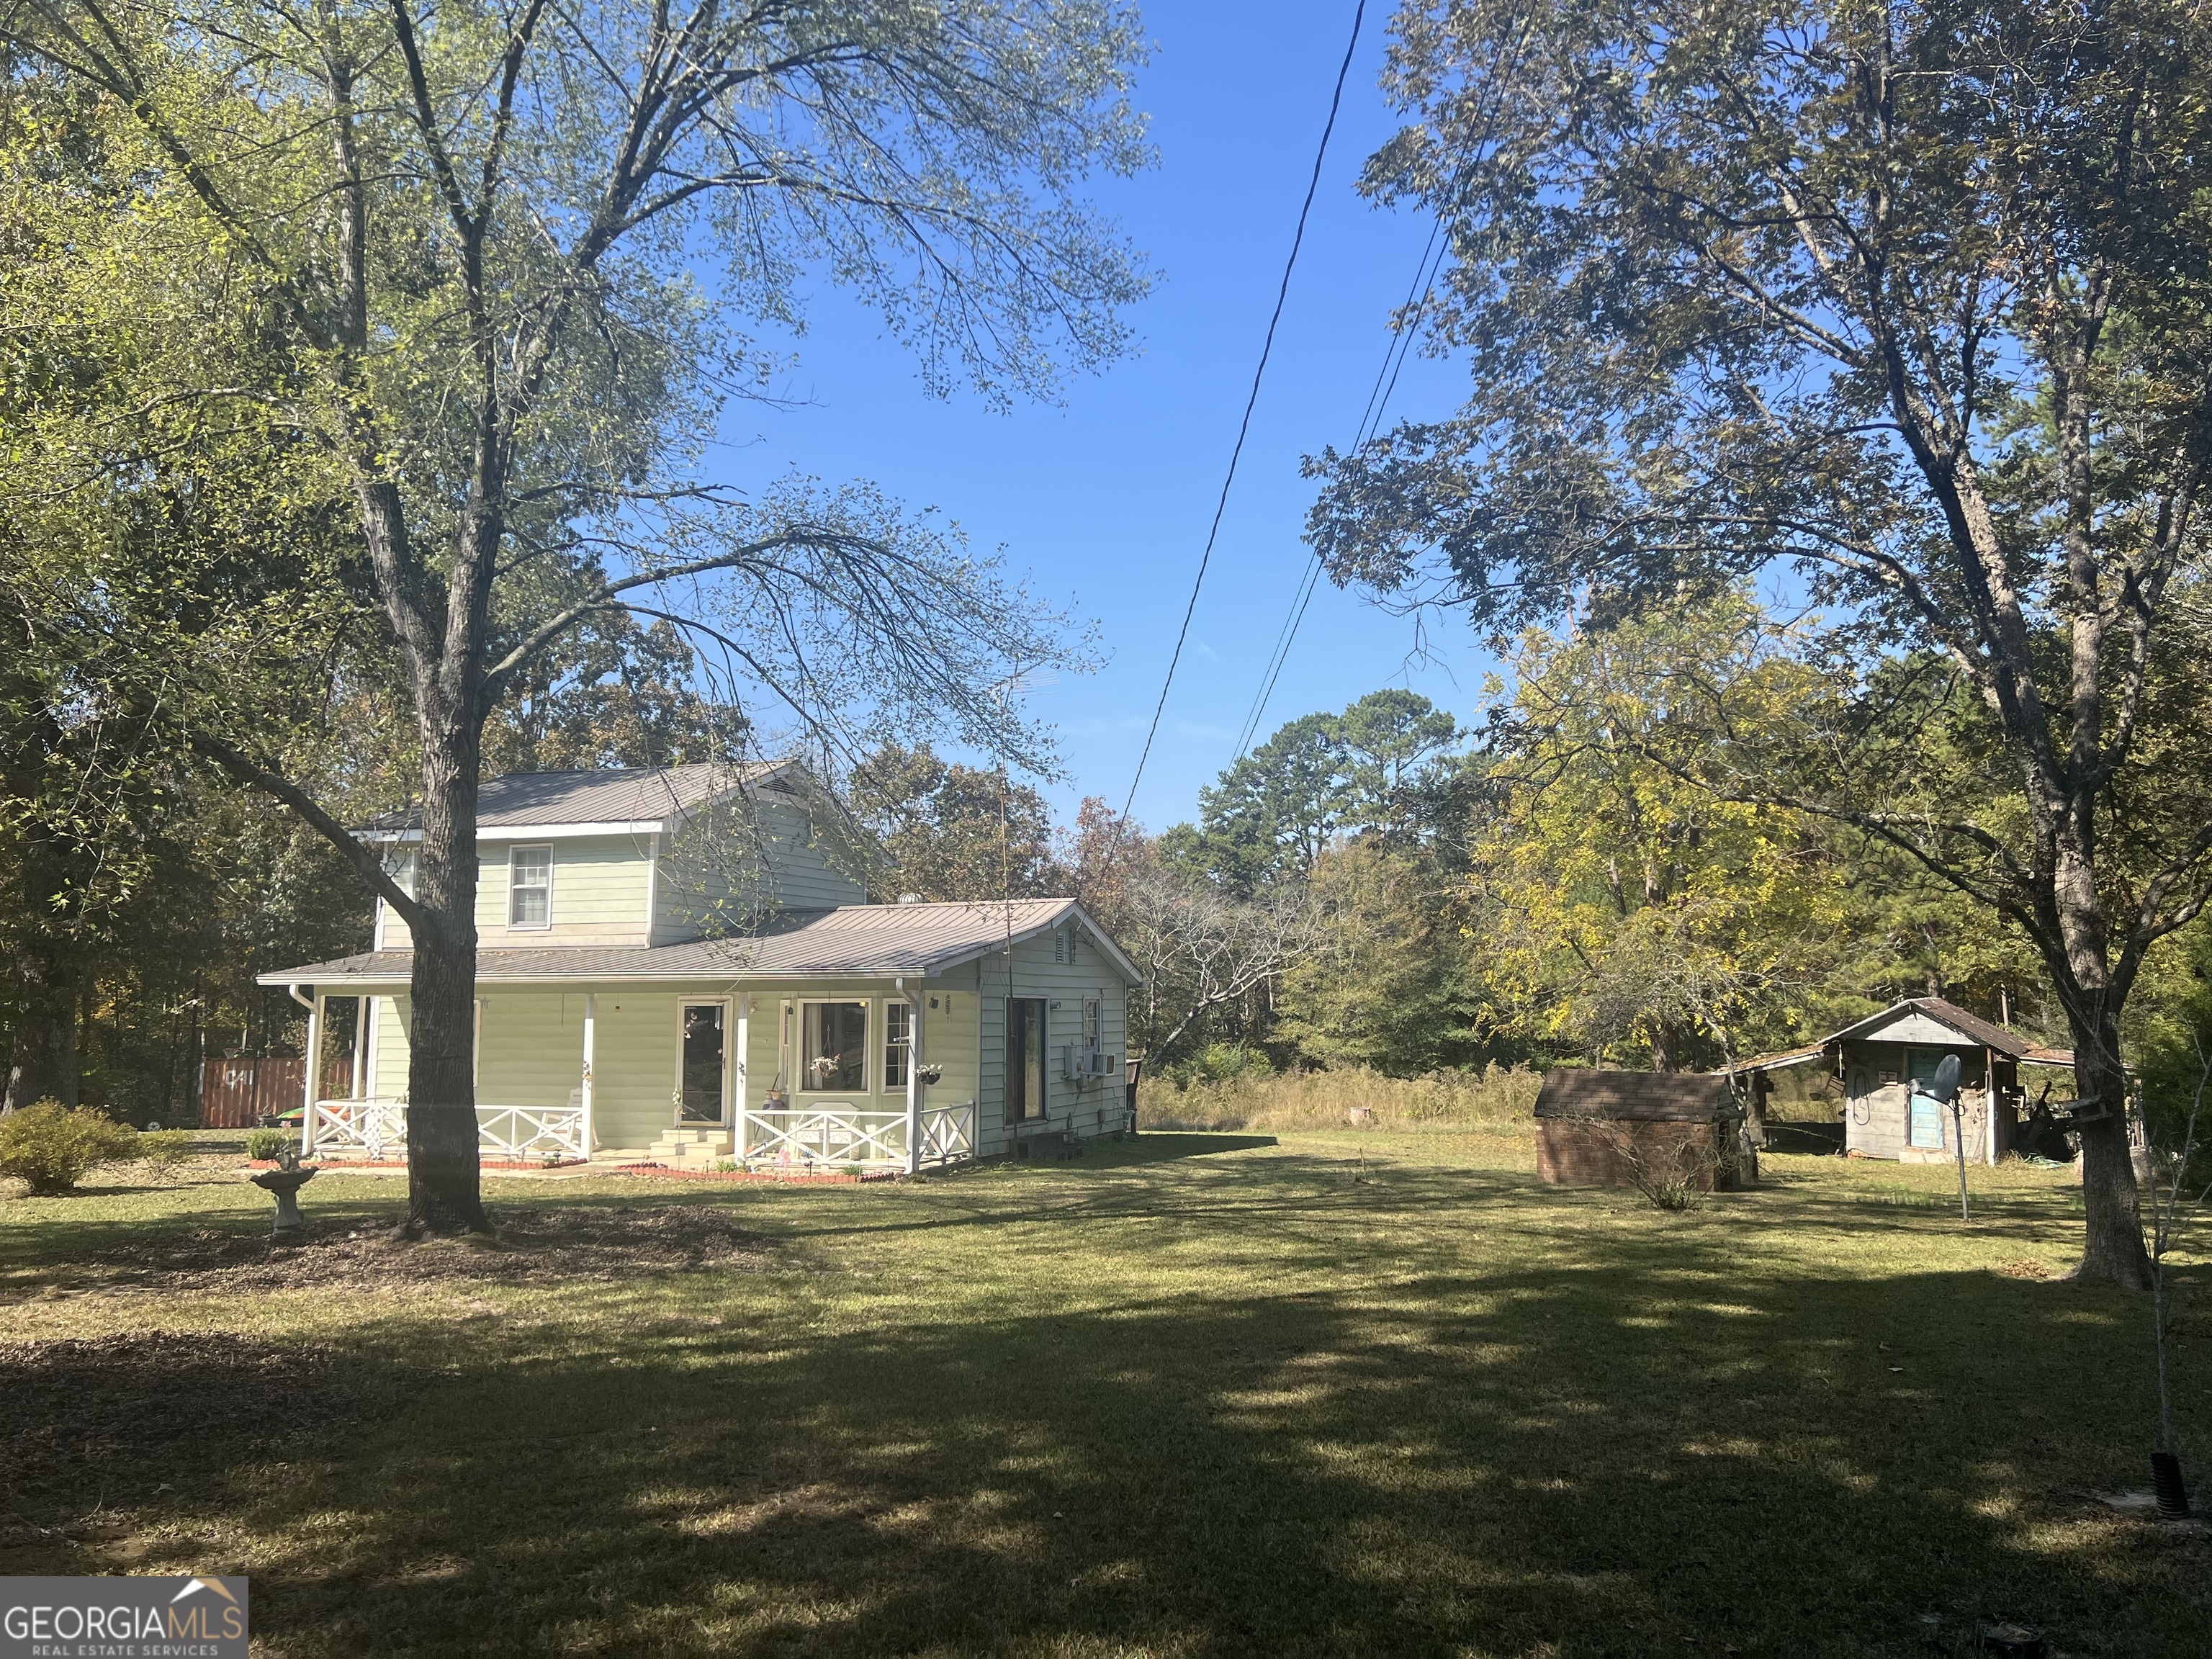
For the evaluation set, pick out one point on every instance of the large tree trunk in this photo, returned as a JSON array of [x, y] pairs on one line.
[[2081, 966], [2115, 1252], [444, 1185]]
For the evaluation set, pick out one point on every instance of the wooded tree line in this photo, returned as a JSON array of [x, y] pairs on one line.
[[1567, 877]]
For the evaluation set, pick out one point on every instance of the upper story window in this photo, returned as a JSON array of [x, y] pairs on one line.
[[529, 887]]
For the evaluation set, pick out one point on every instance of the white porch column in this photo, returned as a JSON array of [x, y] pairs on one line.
[[914, 1004], [314, 1075], [743, 1038], [591, 1033]]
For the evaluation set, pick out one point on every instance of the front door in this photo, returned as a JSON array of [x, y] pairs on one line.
[[1924, 1113], [704, 1071], [1024, 1058]]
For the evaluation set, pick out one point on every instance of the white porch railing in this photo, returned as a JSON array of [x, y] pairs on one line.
[[377, 1129], [837, 1136], [948, 1135]]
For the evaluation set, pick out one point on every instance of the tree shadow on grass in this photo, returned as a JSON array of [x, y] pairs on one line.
[[1161, 1145], [1618, 1443]]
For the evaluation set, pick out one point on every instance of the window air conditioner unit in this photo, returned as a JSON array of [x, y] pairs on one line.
[[1080, 1065]]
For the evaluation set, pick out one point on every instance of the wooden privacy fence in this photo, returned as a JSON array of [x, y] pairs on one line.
[[238, 1093]]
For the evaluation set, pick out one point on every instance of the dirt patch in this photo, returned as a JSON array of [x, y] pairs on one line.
[[100, 1423], [536, 1245]]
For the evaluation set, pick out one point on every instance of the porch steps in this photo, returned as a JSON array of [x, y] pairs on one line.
[[693, 1149]]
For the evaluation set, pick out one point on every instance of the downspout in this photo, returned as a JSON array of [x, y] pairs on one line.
[[912, 1076]]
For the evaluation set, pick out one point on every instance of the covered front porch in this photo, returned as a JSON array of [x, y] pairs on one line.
[[863, 1077]]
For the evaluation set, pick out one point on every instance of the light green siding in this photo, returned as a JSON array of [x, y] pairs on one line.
[[948, 1039], [805, 859], [602, 895], [530, 1047], [636, 1053], [1040, 969], [727, 865], [387, 1072], [711, 876]]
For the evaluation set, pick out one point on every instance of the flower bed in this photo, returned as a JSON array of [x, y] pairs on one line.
[[401, 1163], [794, 1178]]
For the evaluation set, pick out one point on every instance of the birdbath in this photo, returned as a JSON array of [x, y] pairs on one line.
[[283, 1183]]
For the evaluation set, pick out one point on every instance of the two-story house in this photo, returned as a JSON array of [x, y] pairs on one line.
[[680, 964]]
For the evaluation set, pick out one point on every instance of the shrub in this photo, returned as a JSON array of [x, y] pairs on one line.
[[1672, 1165], [164, 1152], [50, 1146], [267, 1146]]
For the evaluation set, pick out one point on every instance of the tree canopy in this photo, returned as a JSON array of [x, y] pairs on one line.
[[1912, 298]]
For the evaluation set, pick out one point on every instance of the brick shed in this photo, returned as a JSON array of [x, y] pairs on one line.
[[1587, 1119]]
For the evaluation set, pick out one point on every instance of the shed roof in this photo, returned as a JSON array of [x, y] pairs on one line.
[[1973, 1030], [853, 941], [1662, 1096]]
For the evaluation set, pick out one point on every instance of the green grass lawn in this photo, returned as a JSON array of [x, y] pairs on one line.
[[1337, 1392]]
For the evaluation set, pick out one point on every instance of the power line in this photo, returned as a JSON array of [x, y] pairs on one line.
[[1371, 421], [1266, 347], [1371, 418]]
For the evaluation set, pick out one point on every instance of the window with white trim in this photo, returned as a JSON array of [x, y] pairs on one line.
[[898, 1042], [530, 887], [832, 1051]]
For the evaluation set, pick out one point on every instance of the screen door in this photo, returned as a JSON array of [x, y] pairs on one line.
[[1024, 1058], [703, 1069]]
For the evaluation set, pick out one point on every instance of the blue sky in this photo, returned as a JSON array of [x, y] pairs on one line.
[[1106, 500]]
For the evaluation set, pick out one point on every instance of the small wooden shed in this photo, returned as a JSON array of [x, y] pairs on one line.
[[1592, 1126], [1887, 1062]]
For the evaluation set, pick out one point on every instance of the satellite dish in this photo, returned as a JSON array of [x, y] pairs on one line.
[[1945, 1085]]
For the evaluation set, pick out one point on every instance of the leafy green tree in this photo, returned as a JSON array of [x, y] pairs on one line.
[[1395, 746], [480, 248], [1274, 812], [1380, 767], [1915, 298], [611, 694], [953, 831], [1395, 979], [142, 902], [1630, 912]]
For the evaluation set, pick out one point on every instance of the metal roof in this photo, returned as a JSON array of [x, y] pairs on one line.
[[1647, 1096], [608, 795], [1980, 1032], [853, 941]]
